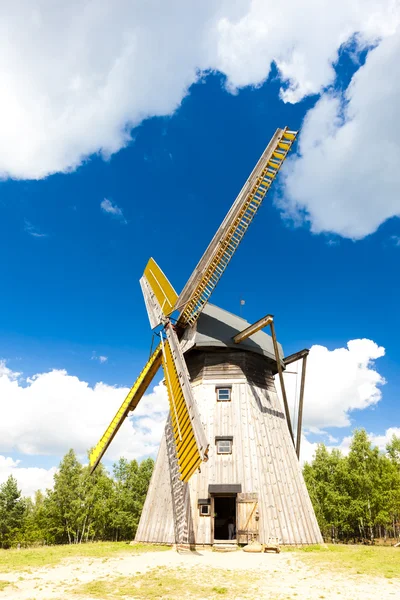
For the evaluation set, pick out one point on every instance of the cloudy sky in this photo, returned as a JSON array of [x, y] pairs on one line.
[[127, 129]]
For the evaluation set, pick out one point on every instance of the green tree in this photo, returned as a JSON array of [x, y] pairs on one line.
[[12, 509], [80, 507], [131, 482], [97, 491], [356, 496], [65, 502], [393, 450]]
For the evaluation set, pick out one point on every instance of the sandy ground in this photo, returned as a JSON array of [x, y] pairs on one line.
[[282, 576]]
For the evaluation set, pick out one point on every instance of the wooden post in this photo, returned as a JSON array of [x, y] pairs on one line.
[[278, 364], [301, 399]]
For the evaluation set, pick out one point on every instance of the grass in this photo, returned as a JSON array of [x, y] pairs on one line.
[[4, 584], [170, 584], [34, 558], [378, 561]]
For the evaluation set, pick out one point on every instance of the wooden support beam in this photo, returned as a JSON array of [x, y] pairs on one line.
[[280, 372], [260, 324], [251, 329], [301, 400], [296, 356]]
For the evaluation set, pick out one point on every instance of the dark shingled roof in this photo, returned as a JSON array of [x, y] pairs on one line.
[[216, 328]]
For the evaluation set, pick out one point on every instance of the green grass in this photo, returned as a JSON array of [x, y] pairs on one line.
[[378, 561], [4, 584], [170, 584], [34, 558]]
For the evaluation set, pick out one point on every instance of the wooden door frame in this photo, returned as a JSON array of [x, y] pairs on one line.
[[212, 519], [212, 509]]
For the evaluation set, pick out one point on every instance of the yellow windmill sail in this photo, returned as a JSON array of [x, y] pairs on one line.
[[159, 295], [191, 443], [131, 401]]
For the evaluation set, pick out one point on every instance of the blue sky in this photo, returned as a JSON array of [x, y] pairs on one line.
[[70, 290]]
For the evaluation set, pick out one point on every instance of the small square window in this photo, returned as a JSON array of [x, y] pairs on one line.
[[205, 510], [223, 394], [224, 446]]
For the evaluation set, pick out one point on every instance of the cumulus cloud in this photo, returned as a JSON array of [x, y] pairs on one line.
[[338, 382], [78, 76], [347, 177], [52, 412], [112, 209], [30, 479]]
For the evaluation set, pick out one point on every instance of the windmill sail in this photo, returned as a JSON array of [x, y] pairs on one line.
[[131, 401], [159, 295], [216, 258], [190, 440]]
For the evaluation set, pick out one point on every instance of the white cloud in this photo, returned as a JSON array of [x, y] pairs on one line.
[[30, 479], [347, 179], [112, 209], [102, 359], [54, 411], [78, 76], [382, 440], [33, 231], [337, 382]]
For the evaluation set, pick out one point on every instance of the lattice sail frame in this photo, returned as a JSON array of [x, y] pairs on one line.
[[213, 263]]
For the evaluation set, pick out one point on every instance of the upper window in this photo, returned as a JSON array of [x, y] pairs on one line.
[[223, 394], [224, 446]]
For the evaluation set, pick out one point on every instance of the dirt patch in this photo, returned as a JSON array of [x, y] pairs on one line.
[[204, 574]]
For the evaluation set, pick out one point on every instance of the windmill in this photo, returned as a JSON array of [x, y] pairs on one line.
[[227, 456]]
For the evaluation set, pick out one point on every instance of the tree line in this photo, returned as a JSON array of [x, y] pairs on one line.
[[356, 497], [79, 508]]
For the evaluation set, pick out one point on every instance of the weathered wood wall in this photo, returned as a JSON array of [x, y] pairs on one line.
[[263, 458]]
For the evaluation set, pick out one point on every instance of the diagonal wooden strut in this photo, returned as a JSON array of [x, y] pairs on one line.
[[228, 237], [131, 401], [252, 329], [301, 401]]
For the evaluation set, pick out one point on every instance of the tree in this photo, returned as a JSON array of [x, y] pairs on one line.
[[131, 482], [80, 507], [97, 491], [65, 502], [356, 496], [393, 450], [12, 509]]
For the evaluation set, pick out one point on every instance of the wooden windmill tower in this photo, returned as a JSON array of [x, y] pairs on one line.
[[227, 456]]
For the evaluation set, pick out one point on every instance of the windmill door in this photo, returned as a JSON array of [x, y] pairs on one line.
[[247, 518]]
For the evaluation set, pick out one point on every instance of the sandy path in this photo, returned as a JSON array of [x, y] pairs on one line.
[[282, 576]]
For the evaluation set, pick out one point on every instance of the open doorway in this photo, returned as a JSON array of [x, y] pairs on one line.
[[224, 514]]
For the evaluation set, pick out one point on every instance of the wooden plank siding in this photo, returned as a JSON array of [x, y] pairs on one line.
[[263, 459]]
